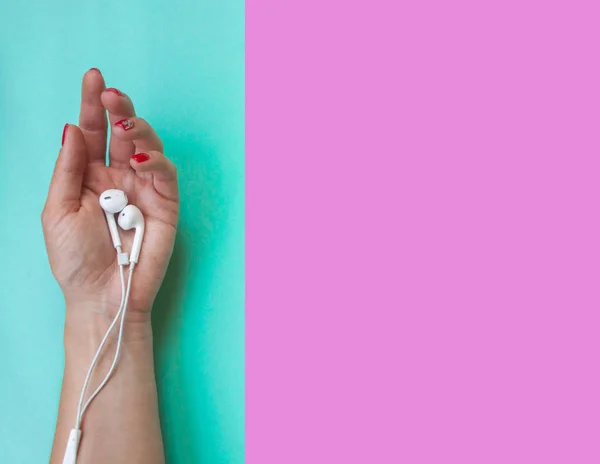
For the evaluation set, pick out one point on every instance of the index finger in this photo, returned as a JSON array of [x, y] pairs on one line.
[[92, 115]]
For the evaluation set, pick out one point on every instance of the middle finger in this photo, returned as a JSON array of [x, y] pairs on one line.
[[119, 107]]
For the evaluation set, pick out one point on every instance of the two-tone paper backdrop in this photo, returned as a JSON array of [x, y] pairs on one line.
[[182, 62], [423, 228]]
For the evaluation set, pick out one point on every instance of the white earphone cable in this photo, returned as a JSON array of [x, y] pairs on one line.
[[75, 434], [99, 350], [119, 343]]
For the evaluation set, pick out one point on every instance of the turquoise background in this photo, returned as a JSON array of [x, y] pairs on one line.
[[182, 62]]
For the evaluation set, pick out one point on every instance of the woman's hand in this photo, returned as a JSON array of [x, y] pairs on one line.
[[122, 423], [80, 249]]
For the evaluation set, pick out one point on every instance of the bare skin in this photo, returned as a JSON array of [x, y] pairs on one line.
[[122, 423]]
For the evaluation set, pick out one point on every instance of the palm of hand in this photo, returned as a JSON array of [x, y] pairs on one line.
[[81, 252]]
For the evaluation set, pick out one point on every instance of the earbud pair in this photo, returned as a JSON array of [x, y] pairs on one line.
[[114, 201]]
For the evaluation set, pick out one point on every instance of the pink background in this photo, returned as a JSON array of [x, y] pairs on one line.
[[423, 258]]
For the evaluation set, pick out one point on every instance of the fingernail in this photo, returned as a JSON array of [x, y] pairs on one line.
[[95, 69], [64, 136], [141, 157], [125, 124], [113, 90]]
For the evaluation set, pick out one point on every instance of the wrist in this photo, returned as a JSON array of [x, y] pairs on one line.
[[86, 323]]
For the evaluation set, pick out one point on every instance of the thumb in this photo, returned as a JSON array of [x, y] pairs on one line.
[[67, 180]]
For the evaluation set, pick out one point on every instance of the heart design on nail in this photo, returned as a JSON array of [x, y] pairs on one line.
[[125, 124]]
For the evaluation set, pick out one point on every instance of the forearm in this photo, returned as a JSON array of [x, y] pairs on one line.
[[122, 424]]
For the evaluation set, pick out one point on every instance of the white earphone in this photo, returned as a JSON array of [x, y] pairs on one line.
[[132, 218], [113, 202]]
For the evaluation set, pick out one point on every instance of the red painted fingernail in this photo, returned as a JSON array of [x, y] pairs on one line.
[[113, 90], [125, 124], [95, 69], [141, 157], [64, 136]]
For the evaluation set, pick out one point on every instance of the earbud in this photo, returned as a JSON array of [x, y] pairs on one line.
[[132, 218], [112, 201]]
